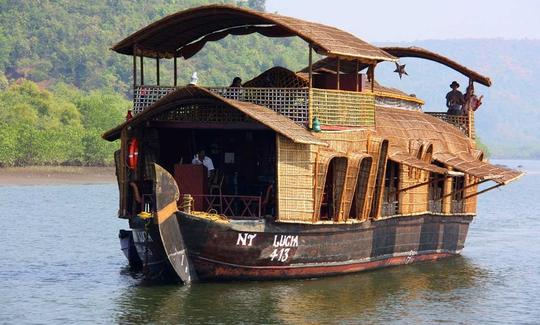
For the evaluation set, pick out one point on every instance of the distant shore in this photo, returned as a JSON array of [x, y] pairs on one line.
[[56, 175]]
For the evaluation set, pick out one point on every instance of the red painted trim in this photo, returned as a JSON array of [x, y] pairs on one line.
[[208, 270]]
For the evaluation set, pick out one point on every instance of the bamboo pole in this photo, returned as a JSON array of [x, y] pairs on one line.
[[175, 72], [464, 188], [482, 191], [157, 70], [310, 96], [337, 72], [357, 75], [142, 70], [134, 68], [373, 79]]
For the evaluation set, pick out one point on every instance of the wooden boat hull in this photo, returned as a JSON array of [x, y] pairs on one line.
[[257, 250]]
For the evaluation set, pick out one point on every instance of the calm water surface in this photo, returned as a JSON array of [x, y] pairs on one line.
[[61, 263]]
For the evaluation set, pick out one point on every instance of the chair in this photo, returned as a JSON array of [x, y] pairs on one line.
[[216, 184]]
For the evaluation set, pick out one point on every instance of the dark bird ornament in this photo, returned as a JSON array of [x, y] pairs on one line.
[[400, 69]]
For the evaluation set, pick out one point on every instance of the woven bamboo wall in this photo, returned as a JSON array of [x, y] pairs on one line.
[[349, 187], [378, 149], [470, 203], [362, 186], [323, 159], [338, 182], [338, 107], [295, 170], [415, 200]]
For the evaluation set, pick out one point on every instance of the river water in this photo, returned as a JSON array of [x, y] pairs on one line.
[[61, 263]]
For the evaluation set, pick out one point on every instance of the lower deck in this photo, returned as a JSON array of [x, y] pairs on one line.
[[266, 250]]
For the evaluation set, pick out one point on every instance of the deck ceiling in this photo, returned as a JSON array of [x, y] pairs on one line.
[[185, 33]]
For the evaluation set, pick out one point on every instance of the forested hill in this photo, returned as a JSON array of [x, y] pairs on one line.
[[81, 87]]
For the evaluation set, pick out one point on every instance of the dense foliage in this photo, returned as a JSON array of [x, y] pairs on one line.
[[63, 47], [80, 88], [63, 126]]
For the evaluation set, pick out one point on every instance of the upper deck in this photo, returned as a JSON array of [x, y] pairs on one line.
[[337, 92]]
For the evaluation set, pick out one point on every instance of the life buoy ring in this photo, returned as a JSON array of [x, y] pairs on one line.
[[133, 154]]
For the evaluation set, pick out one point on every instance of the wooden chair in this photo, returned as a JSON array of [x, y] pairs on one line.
[[216, 184]]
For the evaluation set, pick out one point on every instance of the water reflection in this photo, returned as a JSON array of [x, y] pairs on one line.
[[349, 298]]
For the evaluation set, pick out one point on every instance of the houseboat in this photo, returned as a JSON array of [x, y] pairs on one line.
[[318, 172]]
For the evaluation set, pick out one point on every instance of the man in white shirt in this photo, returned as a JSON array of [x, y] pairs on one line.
[[201, 159]]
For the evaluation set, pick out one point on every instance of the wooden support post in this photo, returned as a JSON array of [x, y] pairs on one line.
[[134, 68], [373, 78], [157, 70], [338, 68], [142, 70], [310, 110], [357, 75], [175, 72]]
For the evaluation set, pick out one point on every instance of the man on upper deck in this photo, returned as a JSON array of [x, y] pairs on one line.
[[454, 99]]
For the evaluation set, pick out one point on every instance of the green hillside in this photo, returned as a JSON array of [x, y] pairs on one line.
[[61, 86]]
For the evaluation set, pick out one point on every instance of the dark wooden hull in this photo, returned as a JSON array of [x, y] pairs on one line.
[[267, 250], [258, 250]]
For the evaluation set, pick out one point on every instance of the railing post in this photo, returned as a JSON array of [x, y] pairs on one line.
[[310, 87], [134, 68], [142, 69], [157, 70], [175, 71]]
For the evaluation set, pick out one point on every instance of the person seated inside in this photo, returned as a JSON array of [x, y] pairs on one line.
[[201, 159], [237, 82], [454, 99]]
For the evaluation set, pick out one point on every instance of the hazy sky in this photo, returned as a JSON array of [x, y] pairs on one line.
[[420, 19]]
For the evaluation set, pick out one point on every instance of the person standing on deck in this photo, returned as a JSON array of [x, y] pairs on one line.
[[201, 159], [454, 99]]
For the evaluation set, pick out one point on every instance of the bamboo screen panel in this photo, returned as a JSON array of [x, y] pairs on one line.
[[471, 202], [321, 169], [461, 122], [414, 200], [338, 186], [144, 96], [378, 149], [290, 102], [361, 191], [295, 180], [203, 112], [349, 187], [343, 108]]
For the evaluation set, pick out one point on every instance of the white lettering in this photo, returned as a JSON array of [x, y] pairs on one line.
[[282, 256], [251, 237], [243, 239], [285, 241]]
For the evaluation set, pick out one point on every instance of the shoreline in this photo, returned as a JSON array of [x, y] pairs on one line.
[[56, 175]]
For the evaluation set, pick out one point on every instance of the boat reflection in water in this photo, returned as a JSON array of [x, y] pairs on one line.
[[394, 293]]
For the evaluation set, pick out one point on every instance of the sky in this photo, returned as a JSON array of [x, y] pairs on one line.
[[411, 20]]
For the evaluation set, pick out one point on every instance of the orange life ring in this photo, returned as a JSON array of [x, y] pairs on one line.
[[133, 154]]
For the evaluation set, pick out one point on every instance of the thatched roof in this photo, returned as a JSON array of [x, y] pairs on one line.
[[450, 146], [350, 66], [193, 94], [406, 159], [185, 33], [469, 165], [418, 52]]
